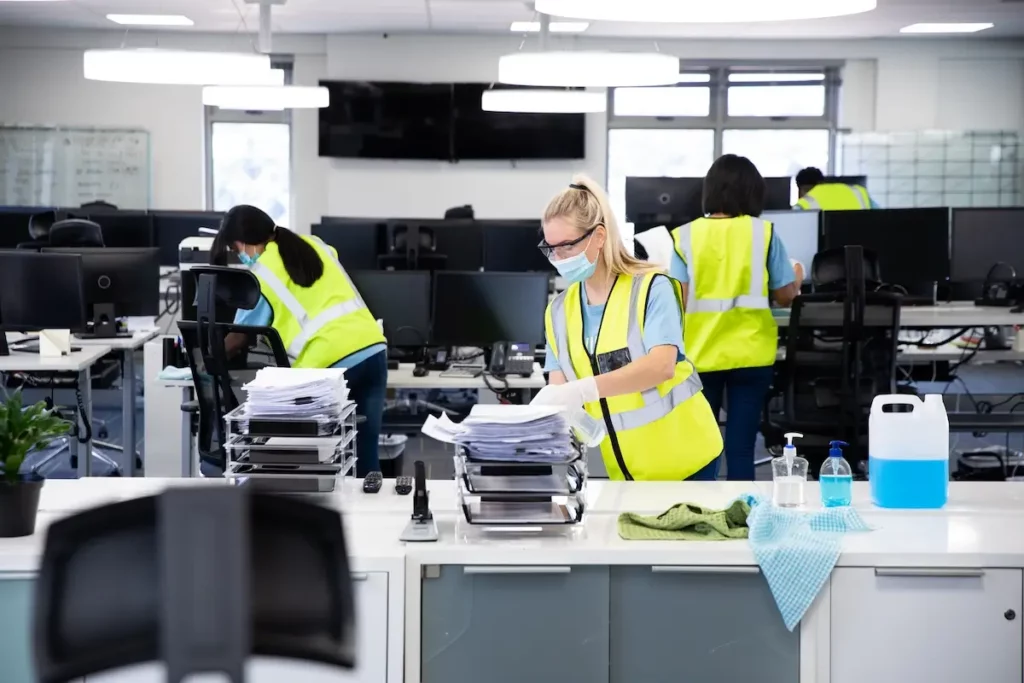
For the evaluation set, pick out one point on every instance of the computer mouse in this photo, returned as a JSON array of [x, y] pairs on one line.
[[419, 371]]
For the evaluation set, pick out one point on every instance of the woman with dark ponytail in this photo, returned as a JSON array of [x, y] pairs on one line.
[[309, 299]]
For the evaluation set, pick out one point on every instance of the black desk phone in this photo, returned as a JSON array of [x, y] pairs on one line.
[[511, 358]]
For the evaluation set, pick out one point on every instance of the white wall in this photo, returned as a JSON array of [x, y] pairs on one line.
[[904, 84]]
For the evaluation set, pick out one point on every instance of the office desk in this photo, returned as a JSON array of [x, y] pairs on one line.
[[79, 362], [957, 314], [126, 346]]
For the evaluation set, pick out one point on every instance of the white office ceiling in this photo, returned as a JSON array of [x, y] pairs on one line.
[[494, 16]]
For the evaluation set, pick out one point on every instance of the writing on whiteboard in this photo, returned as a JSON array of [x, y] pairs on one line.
[[71, 167]]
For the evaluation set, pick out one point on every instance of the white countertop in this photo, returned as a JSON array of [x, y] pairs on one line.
[[981, 526]]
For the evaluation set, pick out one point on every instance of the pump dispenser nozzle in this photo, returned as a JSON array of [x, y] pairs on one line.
[[789, 452], [835, 448]]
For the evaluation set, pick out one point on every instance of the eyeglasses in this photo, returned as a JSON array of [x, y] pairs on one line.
[[564, 249]]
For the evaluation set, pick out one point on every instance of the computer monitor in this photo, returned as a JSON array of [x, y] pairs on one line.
[[481, 309], [778, 194], [358, 241], [121, 229], [664, 201], [172, 227], [401, 299], [984, 237], [460, 241], [799, 232], [511, 246], [118, 283], [41, 292], [912, 244]]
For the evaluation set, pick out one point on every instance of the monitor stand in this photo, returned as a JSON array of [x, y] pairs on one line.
[[104, 324]]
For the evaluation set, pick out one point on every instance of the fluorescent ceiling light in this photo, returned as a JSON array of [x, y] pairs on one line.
[[774, 78], [945, 28], [702, 11], [545, 101], [179, 67], [554, 26], [150, 19], [252, 98], [588, 69]]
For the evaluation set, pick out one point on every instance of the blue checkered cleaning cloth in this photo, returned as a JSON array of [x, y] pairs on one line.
[[797, 550]]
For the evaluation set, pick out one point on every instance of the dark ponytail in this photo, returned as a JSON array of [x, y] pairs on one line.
[[249, 225]]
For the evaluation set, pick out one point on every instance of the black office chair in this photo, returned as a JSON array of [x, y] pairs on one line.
[[841, 351], [39, 226], [213, 373], [136, 581], [829, 271], [76, 233]]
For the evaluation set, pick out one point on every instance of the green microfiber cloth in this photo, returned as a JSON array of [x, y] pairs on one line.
[[687, 522]]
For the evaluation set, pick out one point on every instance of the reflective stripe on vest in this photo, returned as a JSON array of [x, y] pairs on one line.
[[655, 406], [308, 326], [756, 299]]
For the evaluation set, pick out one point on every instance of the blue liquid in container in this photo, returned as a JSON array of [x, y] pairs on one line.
[[836, 490], [918, 484]]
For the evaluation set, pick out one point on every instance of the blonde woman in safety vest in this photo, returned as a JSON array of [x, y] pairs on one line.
[[309, 299], [615, 347], [731, 264]]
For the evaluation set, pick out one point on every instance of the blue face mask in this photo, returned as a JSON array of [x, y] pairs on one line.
[[575, 268], [246, 259]]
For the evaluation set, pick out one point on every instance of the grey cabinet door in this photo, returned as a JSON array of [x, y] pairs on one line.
[[16, 600], [699, 625], [515, 624]]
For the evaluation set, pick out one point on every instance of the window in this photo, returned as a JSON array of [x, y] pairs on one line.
[[655, 153], [251, 165], [249, 159], [783, 117]]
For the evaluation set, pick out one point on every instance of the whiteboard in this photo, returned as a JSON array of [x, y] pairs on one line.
[[73, 166]]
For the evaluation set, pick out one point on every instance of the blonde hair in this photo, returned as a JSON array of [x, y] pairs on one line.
[[587, 208]]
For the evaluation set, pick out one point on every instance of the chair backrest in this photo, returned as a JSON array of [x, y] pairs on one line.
[[212, 369], [829, 270], [135, 581], [39, 226], [837, 360], [76, 232]]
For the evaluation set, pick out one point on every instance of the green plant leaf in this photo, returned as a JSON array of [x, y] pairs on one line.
[[24, 429]]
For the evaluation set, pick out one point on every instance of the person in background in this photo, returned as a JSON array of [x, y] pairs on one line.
[[615, 347], [731, 264], [817, 195], [307, 296]]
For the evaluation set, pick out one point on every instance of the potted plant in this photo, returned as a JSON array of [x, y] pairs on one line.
[[21, 431]]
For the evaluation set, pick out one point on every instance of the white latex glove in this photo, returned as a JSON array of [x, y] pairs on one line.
[[798, 269], [572, 395]]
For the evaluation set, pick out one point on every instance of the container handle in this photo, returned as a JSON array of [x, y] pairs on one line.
[[895, 400]]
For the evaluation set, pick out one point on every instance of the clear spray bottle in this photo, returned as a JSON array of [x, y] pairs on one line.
[[789, 475]]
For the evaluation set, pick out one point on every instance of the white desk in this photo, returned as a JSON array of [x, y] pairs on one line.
[[127, 346], [921, 582], [79, 362], [956, 314]]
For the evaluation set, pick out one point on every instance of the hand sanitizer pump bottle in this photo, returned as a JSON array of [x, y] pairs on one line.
[[789, 475], [836, 478]]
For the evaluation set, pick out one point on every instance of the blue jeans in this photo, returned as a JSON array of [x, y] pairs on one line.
[[367, 385], [744, 391], [707, 473]]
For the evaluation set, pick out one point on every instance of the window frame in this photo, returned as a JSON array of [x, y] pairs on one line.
[[718, 118], [214, 115]]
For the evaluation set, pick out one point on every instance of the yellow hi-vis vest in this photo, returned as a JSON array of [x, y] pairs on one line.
[[666, 433], [835, 197], [728, 323], [322, 324]]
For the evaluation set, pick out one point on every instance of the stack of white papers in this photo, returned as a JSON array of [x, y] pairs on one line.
[[508, 433], [295, 392]]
